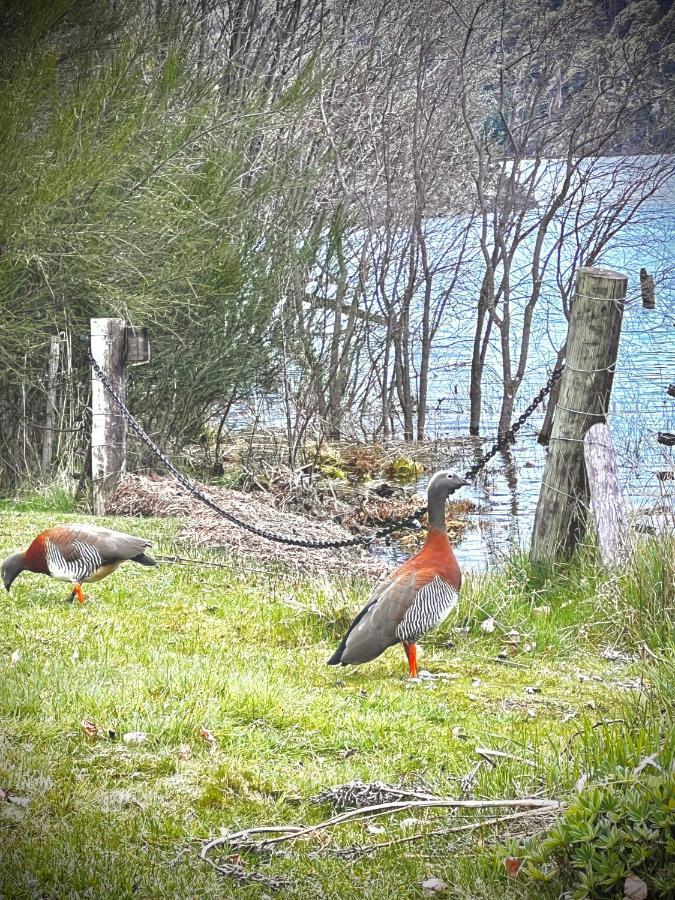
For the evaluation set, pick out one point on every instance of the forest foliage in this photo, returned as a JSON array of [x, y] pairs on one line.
[[296, 196]]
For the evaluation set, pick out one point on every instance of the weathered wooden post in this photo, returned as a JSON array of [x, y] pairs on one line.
[[108, 426], [585, 389], [48, 437], [114, 345], [607, 502]]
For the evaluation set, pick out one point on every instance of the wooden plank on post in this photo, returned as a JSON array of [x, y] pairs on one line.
[[585, 389], [48, 438], [607, 502], [647, 290], [137, 352], [108, 426]]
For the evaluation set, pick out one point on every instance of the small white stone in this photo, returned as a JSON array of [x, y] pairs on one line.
[[135, 738], [433, 885]]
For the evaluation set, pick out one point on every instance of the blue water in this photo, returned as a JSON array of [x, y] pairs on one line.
[[639, 407], [639, 410], [508, 490]]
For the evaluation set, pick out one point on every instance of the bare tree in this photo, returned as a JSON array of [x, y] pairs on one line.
[[543, 92]]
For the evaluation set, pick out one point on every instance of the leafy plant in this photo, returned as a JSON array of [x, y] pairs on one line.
[[623, 827]]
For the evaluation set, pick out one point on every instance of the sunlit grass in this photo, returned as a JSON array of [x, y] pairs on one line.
[[51, 497], [177, 649]]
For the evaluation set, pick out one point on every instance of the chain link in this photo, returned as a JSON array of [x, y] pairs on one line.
[[364, 540], [509, 436]]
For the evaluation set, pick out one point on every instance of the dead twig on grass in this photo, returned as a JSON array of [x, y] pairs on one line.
[[235, 869], [595, 725], [242, 840], [490, 755], [359, 794], [357, 851]]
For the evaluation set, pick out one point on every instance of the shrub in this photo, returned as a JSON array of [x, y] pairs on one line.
[[624, 826]]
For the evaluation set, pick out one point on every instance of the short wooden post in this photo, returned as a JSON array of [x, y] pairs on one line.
[[108, 426], [647, 290], [585, 389], [607, 503], [48, 437]]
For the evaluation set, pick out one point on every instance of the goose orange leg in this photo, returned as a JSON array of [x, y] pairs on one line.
[[77, 592], [411, 653]]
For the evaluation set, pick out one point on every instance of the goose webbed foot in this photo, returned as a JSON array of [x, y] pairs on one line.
[[78, 593]]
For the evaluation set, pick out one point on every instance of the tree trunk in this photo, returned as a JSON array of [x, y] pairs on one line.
[[506, 412], [478, 362], [48, 439]]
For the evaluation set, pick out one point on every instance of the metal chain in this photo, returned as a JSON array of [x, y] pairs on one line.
[[510, 435], [384, 531]]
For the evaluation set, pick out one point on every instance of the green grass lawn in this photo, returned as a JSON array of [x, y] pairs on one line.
[[173, 650]]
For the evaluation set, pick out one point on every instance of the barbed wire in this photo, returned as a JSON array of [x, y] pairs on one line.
[[384, 531]]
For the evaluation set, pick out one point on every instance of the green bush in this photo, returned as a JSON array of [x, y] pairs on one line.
[[624, 826]]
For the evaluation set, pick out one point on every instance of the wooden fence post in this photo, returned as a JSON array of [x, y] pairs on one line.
[[48, 437], [607, 502], [585, 389], [108, 426]]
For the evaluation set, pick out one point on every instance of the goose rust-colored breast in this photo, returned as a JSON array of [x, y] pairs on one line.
[[435, 558], [36, 555]]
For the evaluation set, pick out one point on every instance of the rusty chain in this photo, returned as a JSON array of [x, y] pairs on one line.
[[384, 531]]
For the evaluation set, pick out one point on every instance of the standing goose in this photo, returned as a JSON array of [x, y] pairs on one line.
[[78, 553], [415, 597]]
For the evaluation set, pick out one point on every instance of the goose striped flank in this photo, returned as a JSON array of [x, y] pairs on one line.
[[77, 569], [431, 608], [415, 598]]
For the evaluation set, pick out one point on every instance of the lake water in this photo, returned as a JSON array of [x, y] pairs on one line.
[[509, 488], [639, 409]]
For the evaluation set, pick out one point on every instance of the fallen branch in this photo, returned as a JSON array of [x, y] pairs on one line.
[[357, 794], [241, 840], [356, 852]]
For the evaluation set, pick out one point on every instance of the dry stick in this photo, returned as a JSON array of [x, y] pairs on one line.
[[440, 832], [595, 725], [501, 754], [236, 870], [291, 832]]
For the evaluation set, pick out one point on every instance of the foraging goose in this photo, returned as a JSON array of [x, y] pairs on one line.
[[78, 553], [415, 597]]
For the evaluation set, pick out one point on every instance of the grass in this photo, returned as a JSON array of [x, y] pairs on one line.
[[177, 649]]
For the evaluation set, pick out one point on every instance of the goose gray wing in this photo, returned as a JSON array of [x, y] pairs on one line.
[[111, 546], [375, 627]]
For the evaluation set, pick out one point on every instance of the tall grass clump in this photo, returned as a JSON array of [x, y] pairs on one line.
[[56, 496], [622, 605], [645, 600], [619, 803]]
